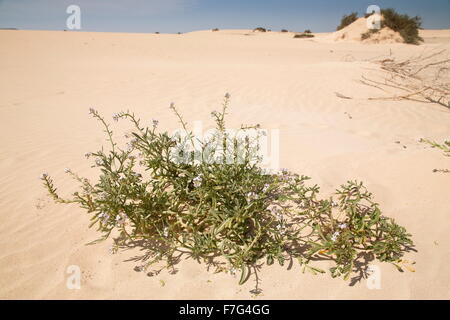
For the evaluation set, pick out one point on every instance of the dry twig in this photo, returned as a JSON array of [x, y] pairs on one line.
[[425, 78]]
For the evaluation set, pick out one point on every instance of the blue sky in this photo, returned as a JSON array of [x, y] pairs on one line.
[[188, 15]]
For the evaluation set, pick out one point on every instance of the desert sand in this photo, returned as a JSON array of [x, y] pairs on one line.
[[50, 79]]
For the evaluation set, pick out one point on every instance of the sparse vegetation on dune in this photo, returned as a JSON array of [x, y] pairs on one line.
[[368, 34], [259, 29], [303, 35], [407, 26], [215, 204], [307, 31], [347, 20], [215, 29], [445, 147]]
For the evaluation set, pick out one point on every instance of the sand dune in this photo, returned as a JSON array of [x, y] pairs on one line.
[[49, 80], [355, 30]]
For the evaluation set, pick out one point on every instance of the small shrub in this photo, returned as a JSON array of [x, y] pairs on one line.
[[259, 29], [284, 30], [229, 213], [347, 20], [368, 34], [215, 29], [304, 35], [407, 26], [307, 31]]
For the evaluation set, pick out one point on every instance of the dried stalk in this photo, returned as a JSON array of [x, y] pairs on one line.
[[425, 78]]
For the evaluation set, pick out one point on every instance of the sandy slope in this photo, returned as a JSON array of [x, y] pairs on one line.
[[48, 81]]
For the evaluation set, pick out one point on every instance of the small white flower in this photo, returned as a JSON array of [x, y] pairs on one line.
[[343, 226], [252, 196], [105, 217], [155, 123], [67, 170], [335, 236], [166, 232], [98, 162], [197, 181], [266, 187]]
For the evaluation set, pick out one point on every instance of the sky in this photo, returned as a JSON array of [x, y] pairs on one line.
[[171, 16]]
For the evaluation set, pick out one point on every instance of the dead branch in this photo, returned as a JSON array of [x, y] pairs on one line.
[[339, 95], [419, 80]]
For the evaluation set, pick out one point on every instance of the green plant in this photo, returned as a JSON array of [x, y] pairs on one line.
[[347, 20], [284, 30], [445, 146], [303, 35], [260, 29], [307, 31], [214, 203], [407, 26], [368, 34]]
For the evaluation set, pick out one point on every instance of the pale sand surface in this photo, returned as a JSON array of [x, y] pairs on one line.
[[48, 81]]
